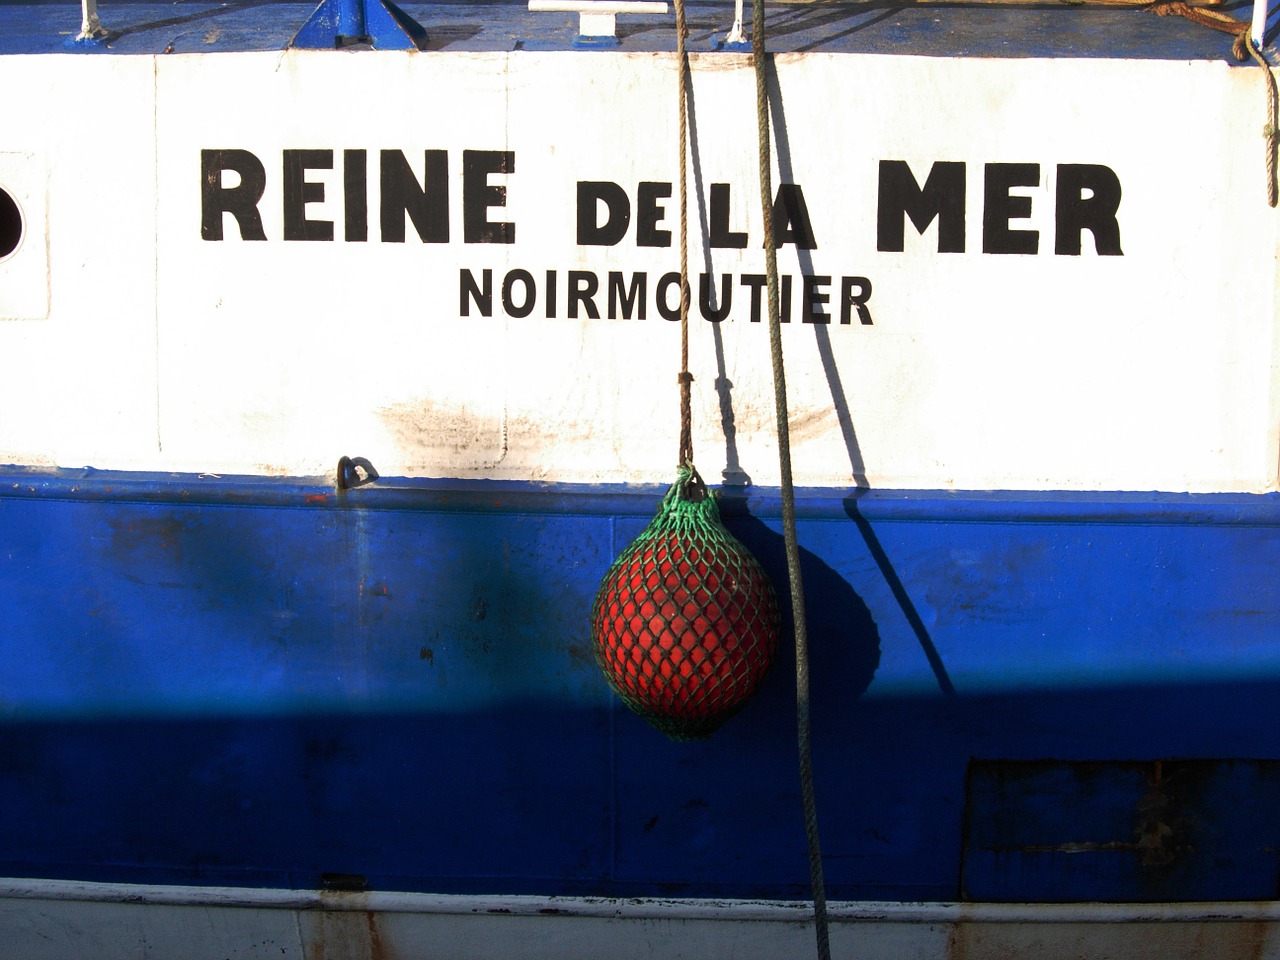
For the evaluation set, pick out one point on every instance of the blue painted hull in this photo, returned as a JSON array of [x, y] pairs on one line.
[[274, 684]]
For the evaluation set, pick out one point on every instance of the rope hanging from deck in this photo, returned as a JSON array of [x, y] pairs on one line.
[[685, 622], [1242, 48], [760, 61], [685, 378], [1269, 130]]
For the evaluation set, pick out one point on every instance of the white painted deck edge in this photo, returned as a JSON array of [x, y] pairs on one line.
[[638, 908]]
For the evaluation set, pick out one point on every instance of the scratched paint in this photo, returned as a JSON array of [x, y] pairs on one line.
[[1134, 831]]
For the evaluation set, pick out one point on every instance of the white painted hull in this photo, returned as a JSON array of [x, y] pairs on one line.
[[43, 920], [1152, 369]]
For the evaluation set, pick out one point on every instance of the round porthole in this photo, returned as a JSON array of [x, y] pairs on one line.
[[10, 224]]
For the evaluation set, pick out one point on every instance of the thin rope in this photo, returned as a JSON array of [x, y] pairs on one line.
[[685, 378], [1241, 48], [803, 737], [1269, 131]]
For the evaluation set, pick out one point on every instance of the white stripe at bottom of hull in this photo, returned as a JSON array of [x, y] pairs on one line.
[[52, 920]]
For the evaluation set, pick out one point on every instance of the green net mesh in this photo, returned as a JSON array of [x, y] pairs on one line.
[[685, 623]]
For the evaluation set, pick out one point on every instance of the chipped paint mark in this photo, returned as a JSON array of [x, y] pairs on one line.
[[581, 654], [1149, 831]]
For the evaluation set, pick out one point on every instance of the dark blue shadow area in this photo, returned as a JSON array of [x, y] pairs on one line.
[[513, 800], [526, 799]]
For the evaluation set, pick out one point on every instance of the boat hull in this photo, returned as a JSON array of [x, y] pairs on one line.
[[1028, 298]]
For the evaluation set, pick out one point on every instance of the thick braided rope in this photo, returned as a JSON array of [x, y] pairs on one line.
[[1213, 19], [685, 378], [817, 881]]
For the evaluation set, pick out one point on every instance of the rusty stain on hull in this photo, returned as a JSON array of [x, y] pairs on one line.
[[343, 928]]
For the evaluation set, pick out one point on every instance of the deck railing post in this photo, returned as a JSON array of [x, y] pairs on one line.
[[1258, 27], [90, 25]]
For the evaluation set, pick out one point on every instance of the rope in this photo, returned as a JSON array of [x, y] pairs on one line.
[[1269, 130], [1241, 48], [1213, 19], [818, 883], [685, 377]]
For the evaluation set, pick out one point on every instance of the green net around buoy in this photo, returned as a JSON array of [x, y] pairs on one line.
[[685, 623]]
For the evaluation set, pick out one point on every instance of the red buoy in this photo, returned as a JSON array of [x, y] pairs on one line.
[[685, 623]]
